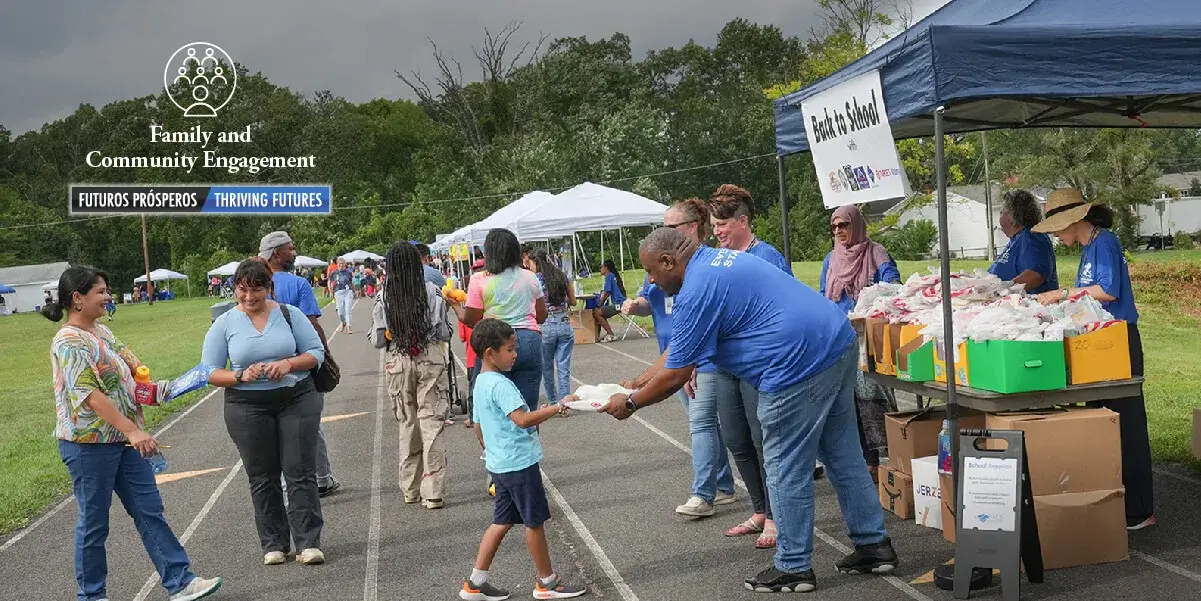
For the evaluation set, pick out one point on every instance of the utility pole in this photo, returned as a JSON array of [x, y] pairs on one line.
[[146, 262], [992, 247]]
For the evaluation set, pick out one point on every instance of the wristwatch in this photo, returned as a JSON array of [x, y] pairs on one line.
[[631, 406], [238, 375]]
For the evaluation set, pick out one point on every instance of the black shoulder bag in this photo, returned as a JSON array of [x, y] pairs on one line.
[[325, 377]]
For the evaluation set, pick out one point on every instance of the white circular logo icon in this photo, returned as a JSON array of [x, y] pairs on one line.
[[200, 78]]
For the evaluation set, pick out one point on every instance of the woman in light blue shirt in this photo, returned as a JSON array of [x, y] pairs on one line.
[[272, 409]]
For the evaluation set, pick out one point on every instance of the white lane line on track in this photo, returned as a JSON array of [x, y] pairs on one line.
[[67, 501], [371, 579], [154, 579], [1175, 569], [598, 553], [826, 538]]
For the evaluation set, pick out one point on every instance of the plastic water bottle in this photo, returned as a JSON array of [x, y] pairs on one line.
[[158, 463], [944, 448]]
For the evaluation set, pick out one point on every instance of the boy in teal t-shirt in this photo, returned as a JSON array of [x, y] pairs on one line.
[[510, 435]]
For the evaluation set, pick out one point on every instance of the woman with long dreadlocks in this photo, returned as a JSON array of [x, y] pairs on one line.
[[417, 325]]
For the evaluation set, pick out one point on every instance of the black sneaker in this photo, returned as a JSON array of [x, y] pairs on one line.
[[483, 592], [324, 491], [773, 580], [878, 558], [819, 472]]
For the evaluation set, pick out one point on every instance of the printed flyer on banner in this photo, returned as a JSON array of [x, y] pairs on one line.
[[851, 140]]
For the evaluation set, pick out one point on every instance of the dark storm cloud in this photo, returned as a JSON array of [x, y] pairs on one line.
[[58, 54]]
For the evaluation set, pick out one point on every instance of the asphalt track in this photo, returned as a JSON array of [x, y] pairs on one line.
[[613, 487]]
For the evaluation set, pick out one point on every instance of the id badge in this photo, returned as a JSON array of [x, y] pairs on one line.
[[667, 304]]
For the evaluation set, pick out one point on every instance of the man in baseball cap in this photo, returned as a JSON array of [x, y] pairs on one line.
[[279, 252]]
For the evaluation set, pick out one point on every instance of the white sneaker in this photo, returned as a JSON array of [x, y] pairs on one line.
[[274, 558], [198, 588], [311, 557], [725, 498], [696, 507]]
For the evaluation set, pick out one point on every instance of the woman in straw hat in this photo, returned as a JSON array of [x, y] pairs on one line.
[[1104, 275]]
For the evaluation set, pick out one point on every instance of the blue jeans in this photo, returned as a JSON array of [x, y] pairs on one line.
[[344, 301], [817, 418], [558, 339], [737, 410], [710, 464], [97, 471], [527, 371]]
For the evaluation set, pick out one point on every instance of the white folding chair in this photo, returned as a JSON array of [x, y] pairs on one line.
[[631, 324]]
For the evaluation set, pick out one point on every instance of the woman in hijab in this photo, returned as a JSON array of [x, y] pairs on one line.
[[856, 263]]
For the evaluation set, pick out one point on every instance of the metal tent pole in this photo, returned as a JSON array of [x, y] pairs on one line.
[[948, 326], [783, 208], [992, 247], [621, 248]]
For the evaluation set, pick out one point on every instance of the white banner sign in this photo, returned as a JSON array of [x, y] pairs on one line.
[[851, 141]]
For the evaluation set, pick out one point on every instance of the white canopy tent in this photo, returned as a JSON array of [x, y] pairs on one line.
[[587, 207], [508, 216], [162, 275], [444, 243], [358, 256], [303, 261], [225, 270]]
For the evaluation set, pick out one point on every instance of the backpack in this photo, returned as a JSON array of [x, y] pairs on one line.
[[440, 332]]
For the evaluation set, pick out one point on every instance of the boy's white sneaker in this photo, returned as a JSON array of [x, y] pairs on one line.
[[274, 558], [311, 557], [198, 588]]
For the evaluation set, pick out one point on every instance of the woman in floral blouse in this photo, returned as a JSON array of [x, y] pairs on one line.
[[103, 441]]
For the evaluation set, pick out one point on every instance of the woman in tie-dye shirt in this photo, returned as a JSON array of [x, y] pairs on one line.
[[103, 441], [507, 292]]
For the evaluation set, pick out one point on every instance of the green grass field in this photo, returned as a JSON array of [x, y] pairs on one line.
[[166, 337]]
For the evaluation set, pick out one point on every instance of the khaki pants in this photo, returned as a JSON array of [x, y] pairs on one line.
[[414, 383]]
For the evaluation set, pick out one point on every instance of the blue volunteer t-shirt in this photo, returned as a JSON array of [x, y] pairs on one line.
[[658, 300], [754, 321], [769, 253], [508, 448], [1028, 250], [615, 295], [886, 272], [294, 290], [1104, 262]]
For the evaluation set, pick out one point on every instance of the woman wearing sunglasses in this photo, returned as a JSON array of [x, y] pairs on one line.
[[856, 263]]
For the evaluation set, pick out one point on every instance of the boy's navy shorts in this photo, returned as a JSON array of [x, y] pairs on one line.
[[520, 498]]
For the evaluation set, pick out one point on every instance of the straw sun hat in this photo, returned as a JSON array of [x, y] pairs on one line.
[[1065, 206]]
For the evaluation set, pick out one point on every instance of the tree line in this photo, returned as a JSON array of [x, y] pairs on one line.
[[543, 115]]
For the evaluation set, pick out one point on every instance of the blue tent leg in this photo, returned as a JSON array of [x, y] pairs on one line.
[[783, 208]]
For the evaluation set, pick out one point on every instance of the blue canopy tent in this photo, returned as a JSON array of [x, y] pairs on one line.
[[975, 65]]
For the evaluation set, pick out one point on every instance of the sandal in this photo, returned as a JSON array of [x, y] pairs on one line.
[[745, 528], [767, 540]]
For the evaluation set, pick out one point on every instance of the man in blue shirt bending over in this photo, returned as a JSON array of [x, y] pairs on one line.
[[280, 253], [798, 350]]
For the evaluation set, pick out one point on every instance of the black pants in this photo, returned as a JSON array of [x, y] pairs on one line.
[[276, 432], [1136, 442]]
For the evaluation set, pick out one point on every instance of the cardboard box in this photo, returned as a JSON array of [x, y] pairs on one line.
[[584, 326], [896, 492], [915, 433], [1197, 433], [915, 360], [927, 494], [880, 338], [1099, 356], [962, 371], [1072, 450], [946, 487], [1081, 529]]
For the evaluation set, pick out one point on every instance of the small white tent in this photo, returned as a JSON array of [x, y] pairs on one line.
[[303, 261], [225, 270], [160, 275], [358, 256], [587, 207], [507, 216]]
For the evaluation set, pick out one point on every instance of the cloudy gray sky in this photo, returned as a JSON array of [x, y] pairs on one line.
[[58, 54]]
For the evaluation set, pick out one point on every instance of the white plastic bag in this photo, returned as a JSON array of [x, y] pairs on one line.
[[593, 398]]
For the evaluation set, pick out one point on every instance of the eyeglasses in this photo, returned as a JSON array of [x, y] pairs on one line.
[[676, 225], [840, 226]]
